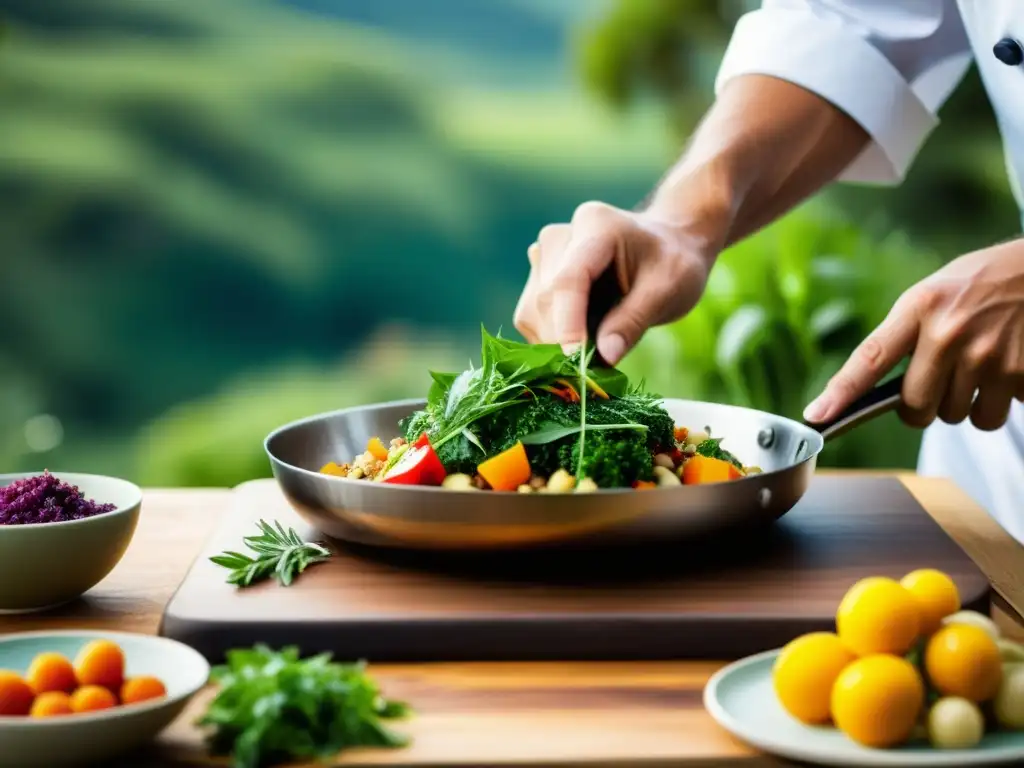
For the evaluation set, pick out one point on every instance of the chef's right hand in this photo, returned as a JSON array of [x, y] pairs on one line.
[[665, 267]]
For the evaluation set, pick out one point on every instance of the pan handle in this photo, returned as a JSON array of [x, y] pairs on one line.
[[882, 399]]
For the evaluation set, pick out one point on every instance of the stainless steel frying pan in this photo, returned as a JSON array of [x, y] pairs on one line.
[[438, 518]]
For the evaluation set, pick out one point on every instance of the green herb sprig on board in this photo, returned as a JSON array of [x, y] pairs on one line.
[[273, 707], [280, 553]]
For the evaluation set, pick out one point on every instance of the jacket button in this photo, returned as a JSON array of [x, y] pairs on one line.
[[1009, 51]]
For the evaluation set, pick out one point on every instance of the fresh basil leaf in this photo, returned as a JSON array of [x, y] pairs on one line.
[[524, 362], [460, 386], [469, 435], [551, 432], [613, 381], [442, 382]]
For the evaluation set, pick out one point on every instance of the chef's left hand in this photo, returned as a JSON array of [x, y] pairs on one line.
[[964, 329]]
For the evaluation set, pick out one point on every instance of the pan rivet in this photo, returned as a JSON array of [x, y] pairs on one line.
[[764, 496], [766, 437]]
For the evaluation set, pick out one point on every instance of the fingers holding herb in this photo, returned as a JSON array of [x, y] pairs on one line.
[[279, 552]]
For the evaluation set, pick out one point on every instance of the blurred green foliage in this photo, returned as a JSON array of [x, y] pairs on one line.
[[218, 440], [207, 190], [220, 217]]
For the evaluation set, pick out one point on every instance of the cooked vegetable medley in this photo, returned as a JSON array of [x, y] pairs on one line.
[[532, 419]]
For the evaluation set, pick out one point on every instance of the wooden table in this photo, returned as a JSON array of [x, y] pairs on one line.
[[499, 714]]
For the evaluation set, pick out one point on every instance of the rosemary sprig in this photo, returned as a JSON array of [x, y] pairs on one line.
[[279, 552]]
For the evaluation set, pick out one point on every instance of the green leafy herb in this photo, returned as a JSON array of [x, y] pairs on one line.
[[485, 409], [713, 450], [549, 433], [279, 553], [612, 381], [274, 707], [471, 437], [508, 370], [584, 358]]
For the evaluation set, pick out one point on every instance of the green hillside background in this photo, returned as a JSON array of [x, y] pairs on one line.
[[219, 216]]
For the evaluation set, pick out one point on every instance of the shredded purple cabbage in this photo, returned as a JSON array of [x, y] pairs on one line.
[[45, 499]]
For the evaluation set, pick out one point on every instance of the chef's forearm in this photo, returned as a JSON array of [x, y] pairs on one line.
[[763, 147]]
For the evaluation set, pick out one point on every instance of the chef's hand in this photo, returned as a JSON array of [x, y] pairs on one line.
[[964, 329], [665, 267]]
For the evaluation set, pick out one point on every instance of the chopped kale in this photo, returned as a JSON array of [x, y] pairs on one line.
[[713, 449]]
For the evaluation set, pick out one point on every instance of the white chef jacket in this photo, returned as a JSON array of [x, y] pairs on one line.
[[890, 65]]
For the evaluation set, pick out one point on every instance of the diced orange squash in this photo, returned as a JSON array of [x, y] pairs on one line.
[[703, 469], [377, 448], [680, 433], [330, 468], [644, 485], [508, 470]]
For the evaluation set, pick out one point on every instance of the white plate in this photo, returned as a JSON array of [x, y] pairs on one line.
[[741, 698]]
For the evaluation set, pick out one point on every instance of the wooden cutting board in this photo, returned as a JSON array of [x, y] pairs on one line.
[[721, 599]]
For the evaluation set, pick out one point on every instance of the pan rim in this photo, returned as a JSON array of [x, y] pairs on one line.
[[816, 443]]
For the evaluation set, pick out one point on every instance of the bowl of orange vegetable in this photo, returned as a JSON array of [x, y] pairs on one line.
[[80, 697]]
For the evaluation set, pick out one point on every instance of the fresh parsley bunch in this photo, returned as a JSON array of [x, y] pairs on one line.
[[273, 708]]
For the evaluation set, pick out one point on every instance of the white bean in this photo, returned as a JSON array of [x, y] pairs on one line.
[[458, 482], [666, 476], [974, 619], [1008, 704], [586, 485], [1009, 650], [696, 437], [955, 723], [664, 460], [524, 488], [560, 482]]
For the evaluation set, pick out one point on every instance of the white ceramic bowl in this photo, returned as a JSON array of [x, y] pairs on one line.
[[49, 564], [89, 739]]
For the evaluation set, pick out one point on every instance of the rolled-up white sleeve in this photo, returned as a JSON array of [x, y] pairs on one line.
[[888, 65]]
